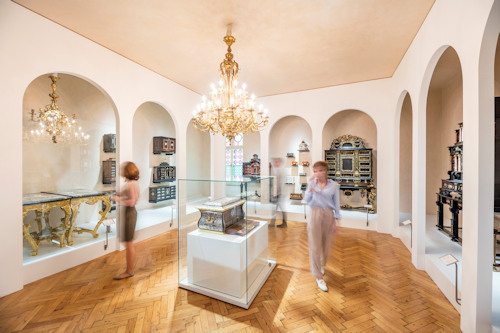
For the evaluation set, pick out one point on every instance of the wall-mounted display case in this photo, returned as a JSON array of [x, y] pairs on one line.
[[109, 143], [161, 193], [109, 171], [163, 145], [226, 248], [163, 173]]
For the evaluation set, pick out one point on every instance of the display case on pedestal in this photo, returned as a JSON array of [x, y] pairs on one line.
[[350, 165], [450, 192], [225, 249]]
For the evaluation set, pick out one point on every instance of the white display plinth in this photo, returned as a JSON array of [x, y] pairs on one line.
[[230, 268]]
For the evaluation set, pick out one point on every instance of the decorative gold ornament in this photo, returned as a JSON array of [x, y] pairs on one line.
[[227, 110], [55, 122]]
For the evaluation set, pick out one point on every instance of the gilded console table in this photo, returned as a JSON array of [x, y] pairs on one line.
[[42, 203], [90, 197]]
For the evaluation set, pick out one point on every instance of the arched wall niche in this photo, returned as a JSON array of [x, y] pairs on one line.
[[150, 119], [444, 111], [286, 135], [356, 123], [198, 162], [52, 167], [405, 158]]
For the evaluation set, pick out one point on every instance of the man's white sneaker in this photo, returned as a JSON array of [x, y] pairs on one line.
[[322, 270], [322, 284]]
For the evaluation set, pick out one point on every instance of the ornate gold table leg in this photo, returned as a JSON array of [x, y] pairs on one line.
[[38, 219], [26, 234], [75, 206], [66, 208], [103, 213], [371, 200]]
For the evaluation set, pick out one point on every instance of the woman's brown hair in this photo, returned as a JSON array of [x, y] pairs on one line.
[[130, 171], [320, 164]]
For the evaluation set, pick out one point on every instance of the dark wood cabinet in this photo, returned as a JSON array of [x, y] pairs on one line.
[[161, 193], [163, 145], [450, 192], [109, 143], [109, 171], [350, 165], [163, 173]]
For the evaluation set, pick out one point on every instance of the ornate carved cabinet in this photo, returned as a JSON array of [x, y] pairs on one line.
[[163, 145], [450, 192], [109, 171], [161, 193], [163, 173], [350, 165]]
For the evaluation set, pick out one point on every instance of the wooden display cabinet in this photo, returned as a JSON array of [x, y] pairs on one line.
[[161, 193], [109, 171], [163, 145]]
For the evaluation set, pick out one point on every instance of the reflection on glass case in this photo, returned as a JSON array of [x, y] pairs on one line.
[[226, 248]]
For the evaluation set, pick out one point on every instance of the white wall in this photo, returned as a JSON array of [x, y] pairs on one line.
[[198, 162]]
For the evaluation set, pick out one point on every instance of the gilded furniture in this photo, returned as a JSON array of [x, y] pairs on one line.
[[450, 192], [350, 165], [90, 197], [163, 145], [42, 203], [218, 215]]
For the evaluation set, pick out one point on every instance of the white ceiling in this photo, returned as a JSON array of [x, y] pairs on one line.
[[281, 46]]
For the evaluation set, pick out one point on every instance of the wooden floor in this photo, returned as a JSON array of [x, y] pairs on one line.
[[373, 288]]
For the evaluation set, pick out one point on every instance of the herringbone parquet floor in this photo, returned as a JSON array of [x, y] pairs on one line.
[[373, 288]]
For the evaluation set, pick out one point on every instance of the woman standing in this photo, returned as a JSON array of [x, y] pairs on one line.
[[129, 197], [322, 195]]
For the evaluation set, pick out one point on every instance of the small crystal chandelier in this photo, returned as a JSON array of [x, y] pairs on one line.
[[227, 110], [55, 123]]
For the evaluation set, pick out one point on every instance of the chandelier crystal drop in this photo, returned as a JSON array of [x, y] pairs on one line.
[[229, 110], [53, 122]]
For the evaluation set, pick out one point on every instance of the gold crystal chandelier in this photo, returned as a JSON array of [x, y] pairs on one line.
[[228, 110], [54, 122]]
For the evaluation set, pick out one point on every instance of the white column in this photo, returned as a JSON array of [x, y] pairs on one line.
[[478, 166], [218, 164], [418, 182], [386, 208]]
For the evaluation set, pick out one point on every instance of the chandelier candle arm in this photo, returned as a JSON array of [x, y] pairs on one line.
[[228, 110]]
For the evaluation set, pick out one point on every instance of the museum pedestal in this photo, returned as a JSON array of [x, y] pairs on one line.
[[226, 251], [226, 266]]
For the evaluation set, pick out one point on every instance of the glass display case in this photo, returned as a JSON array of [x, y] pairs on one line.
[[226, 248]]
